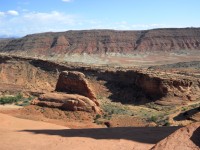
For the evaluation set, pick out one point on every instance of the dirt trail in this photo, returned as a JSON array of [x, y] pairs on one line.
[[24, 134]]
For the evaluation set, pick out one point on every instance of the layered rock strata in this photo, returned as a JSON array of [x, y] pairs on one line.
[[76, 95], [70, 102], [74, 82], [103, 42]]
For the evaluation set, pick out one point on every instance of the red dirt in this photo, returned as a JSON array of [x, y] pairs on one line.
[[22, 134]]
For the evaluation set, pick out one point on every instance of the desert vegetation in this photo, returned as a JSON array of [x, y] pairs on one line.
[[16, 100]]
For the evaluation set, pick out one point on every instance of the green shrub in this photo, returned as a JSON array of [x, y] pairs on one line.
[[153, 118], [167, 124], [183, 109], [97, 117], [10, 99], [111, 109], [19, 96], [26, 101], [17, 100]]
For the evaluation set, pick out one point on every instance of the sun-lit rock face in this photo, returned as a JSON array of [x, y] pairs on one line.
[[103, 42], [74, 82], [73, 93], [71, 102], [186, 138]]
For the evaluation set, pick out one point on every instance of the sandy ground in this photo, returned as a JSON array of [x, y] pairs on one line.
[[21, 134], [9, 107], [134, 59]]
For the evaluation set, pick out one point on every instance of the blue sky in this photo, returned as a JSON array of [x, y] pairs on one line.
[[21, 17]]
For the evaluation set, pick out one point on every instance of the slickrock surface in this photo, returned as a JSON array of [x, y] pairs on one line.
[[186, 138], [72, 102]]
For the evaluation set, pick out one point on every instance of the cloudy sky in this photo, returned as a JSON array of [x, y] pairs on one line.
[[22, 17]]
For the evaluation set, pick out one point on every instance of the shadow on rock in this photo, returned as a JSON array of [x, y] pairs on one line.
[[187, 114], [196, 137], [150, 135]]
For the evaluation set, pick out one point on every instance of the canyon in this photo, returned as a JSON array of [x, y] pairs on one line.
[[105, 79], [133, 85], [85, 87], [108, 46]]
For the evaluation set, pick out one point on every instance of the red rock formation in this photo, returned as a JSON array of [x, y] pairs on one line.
[[186, 138], [72, 102], [171, 87], [144, 85], [74, 82], [60, 44], [104, 41], [124, 85], [4, 42], [18, 75]]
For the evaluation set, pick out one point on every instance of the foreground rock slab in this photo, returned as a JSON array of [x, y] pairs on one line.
[[186, 138], [71, 102]]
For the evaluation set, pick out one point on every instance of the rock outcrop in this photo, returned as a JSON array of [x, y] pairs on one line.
[[74, 82], [104, 42], [18, 75], [76, 94], [71, 102], [169, 88], [186, 138], [128, 85], [4, 42], [145, 85]]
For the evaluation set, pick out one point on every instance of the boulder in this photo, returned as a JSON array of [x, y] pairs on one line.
[[74, 82], [71, 102], [186, 138]]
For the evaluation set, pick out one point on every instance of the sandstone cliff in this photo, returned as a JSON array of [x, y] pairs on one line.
[[18, 75], [104, 42], [129, 85], [75, 83]]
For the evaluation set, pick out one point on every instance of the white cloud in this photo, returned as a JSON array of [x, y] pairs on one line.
[[53, 17], [13, 12], [25, 22], [66, 0], [128, 26], [148, 26], [10, 12], [34, 22], [2, 14], [124, 25]]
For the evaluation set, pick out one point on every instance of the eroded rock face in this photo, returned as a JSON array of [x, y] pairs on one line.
[[174, 87], [71, 102], [186, 138], [127, 86], [18, 76], [74, 82], [105, 41], [144, 85]]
